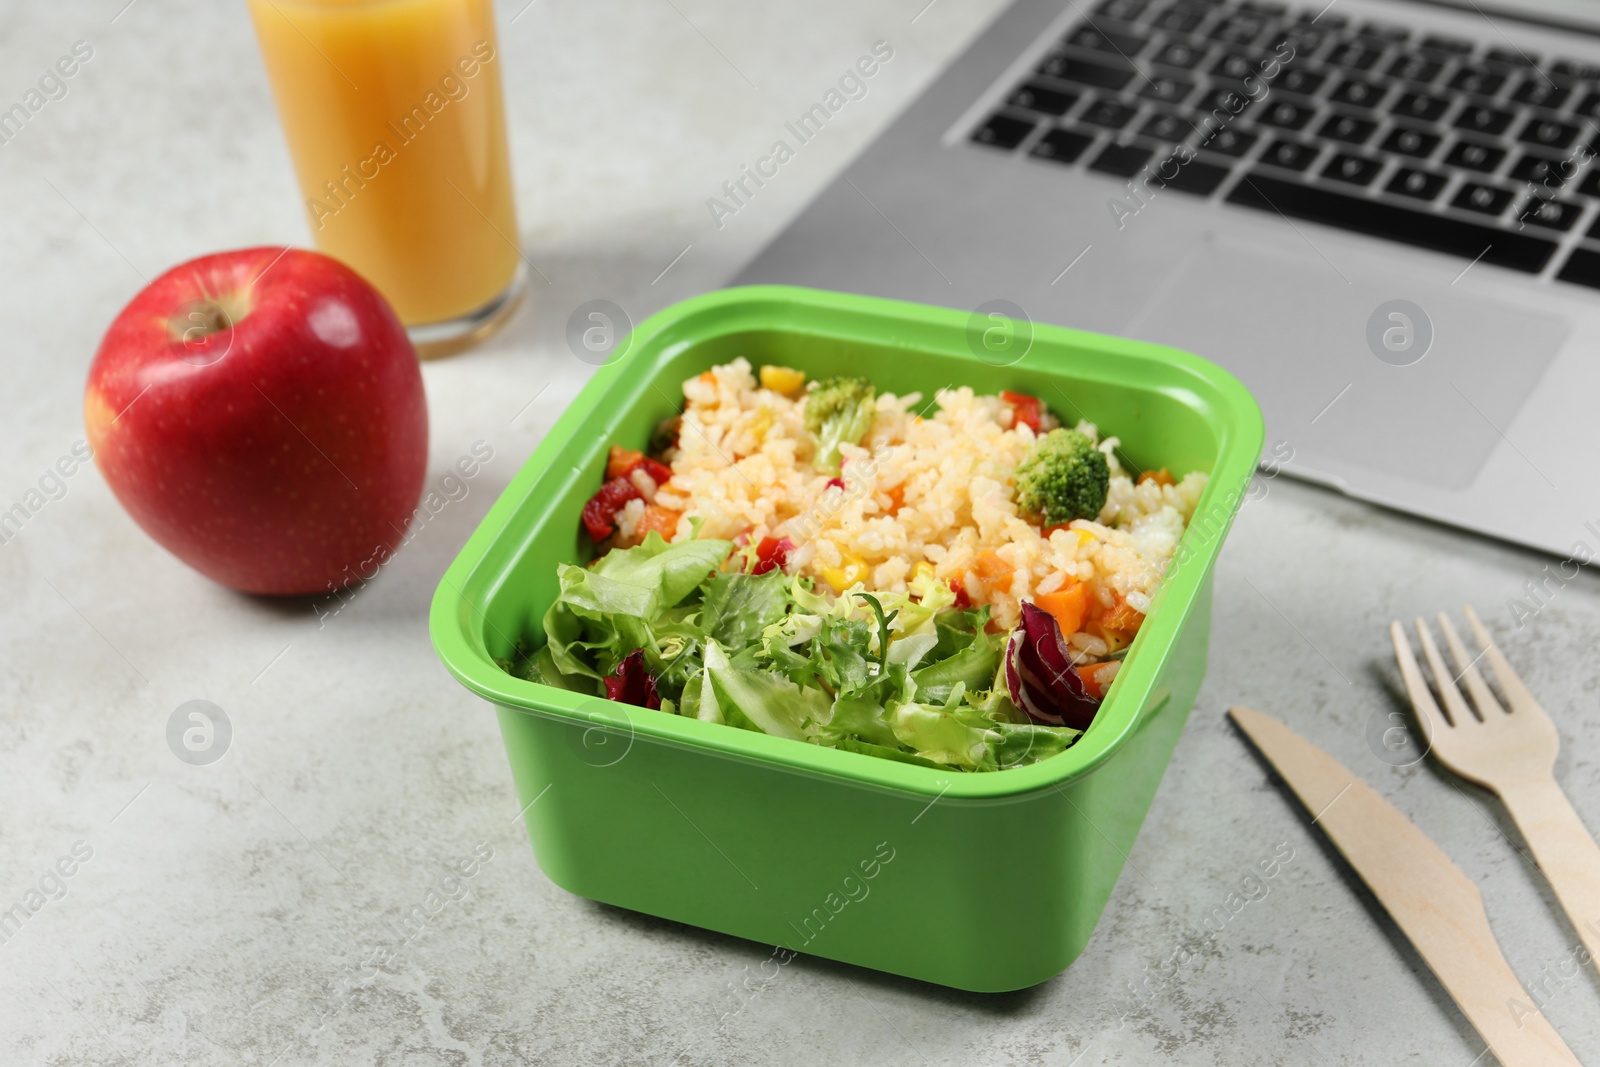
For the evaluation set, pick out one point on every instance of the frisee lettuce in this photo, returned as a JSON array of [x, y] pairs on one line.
[[902, 676]]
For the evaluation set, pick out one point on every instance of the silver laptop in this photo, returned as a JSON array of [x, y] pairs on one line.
[[1383, 216]]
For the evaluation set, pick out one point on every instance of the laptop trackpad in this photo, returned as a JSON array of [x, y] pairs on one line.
[[1404, 375]]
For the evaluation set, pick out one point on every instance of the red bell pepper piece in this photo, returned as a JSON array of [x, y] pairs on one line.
[[1027, 410], [600, 513], [772, 552]]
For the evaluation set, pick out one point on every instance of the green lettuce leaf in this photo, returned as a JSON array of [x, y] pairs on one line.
[[738, 607], [1025, 743], [867, 748], [944, 737], [606, 611], [972, 666], [761, 700], [852, 717]]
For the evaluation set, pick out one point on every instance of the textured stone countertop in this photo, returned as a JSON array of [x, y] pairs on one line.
[[221, 906]]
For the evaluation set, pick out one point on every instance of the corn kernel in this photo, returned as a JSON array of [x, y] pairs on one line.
[[853, 569], [783, 380]]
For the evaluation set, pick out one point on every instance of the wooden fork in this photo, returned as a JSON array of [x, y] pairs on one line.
[[1511, 752]]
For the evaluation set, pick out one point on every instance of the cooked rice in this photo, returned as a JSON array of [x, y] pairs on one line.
[[743, 466]]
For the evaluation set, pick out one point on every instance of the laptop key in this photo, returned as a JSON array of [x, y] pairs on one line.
[[1588, 107], [1126, 10], [1108, 113], [1099, 39], [1195, 176], [1062, 146], [1551, 214], [1323, 18], [1166, 88], [1415, 67], [1123, 160], [1510, 57], [1165, 126], [1285, 114], [1180, 19], [1482, 199], [1450, 46], [1304, 39], [1239, 29], [1475, 156], [1590, 186], [1582, 268], [1082, 71], [1290, 155], [1235, 66], [1224, 98], [1353, 170], [1420, 106], [1480, 119], [1422, 229], [1003, 131], [1347, 128], [1547, 133], [1479, 82], [1043, 100], [1408, 142], [1539, 91], [1539, 170], [1416, 184], [1387, 32], [1355, 55], [1300, 80], [1357, 93], [1180, 54], [1230, 142], [1575, 70]]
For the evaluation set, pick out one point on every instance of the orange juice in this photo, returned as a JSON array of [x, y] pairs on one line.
[[395, 119]]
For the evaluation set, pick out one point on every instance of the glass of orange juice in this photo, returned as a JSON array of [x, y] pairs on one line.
[[396, 122]]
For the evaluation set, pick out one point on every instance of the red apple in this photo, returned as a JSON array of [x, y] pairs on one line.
[[261, 414]]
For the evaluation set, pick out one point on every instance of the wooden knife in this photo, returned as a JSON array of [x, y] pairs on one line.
[[1424, 892]]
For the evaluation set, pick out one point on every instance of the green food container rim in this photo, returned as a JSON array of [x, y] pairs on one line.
[[456, 620]]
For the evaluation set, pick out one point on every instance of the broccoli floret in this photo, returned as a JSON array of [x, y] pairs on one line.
[[838, 412], [1063, 477]]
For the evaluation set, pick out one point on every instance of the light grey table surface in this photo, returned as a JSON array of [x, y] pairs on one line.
[[222, 906]]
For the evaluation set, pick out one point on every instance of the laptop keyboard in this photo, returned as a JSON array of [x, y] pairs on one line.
[[1471, 148]]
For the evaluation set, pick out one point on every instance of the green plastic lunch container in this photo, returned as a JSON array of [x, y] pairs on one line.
[[980, 881]]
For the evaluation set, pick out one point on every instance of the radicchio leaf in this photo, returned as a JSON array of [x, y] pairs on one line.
[[631, 683], [1040, 675]]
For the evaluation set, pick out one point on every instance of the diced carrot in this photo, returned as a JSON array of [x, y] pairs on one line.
[[1122, 618], [1160, 477], [663, 521], [622, 461], [992, 571], [707, 377], [1069, 605], [897, 498], [1097, 677]]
